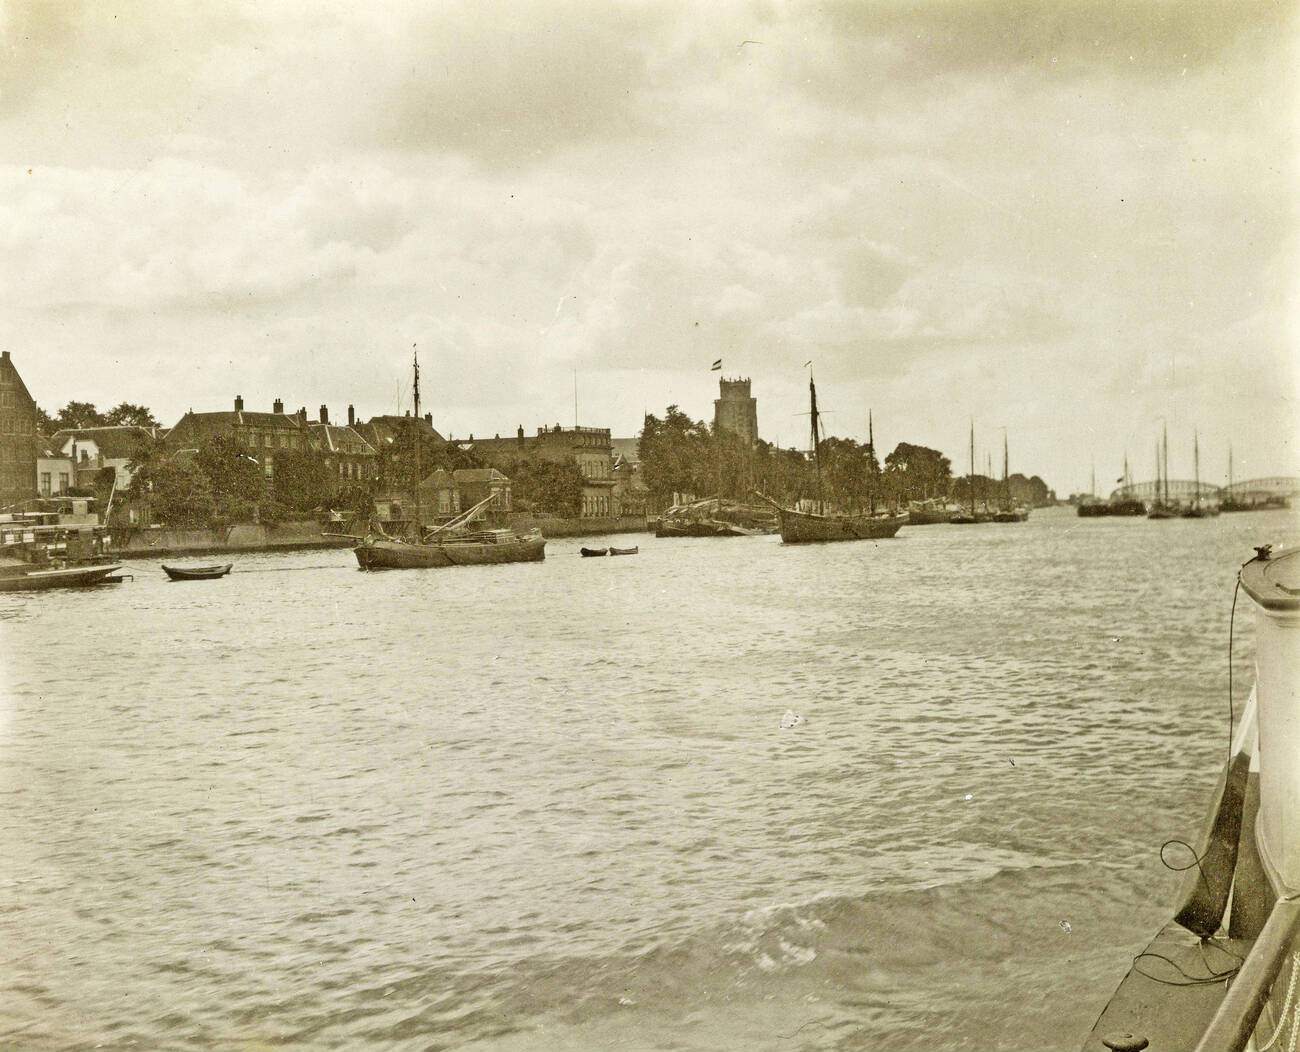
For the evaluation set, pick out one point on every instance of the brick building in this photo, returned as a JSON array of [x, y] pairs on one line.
[[590, 447], [92, 449], [19, 442], [262, 434], [351, 460], [735, 410]]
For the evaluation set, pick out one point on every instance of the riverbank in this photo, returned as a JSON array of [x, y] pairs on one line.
[[308, 535]]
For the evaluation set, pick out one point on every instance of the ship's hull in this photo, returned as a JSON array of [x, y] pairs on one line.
[[1012, 515], [798, 527], [704, 528], [72, 577], [398, 555], [928, 516]]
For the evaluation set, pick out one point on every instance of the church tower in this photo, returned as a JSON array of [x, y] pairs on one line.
[[736, 410]]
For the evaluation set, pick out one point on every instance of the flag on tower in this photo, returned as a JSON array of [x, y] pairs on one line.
[[716, 366]]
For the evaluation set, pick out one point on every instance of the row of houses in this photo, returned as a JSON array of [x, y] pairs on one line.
[[92, 458]]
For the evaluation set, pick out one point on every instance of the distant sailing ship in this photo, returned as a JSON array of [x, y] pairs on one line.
[[1198, 510], [1160, 507], [964, 517], [1010, 511], [450, 544], [802, 527]]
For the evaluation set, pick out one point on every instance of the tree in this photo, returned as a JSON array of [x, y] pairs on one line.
[[125, 414], [235, 479], [45, 424], [301, 481], [180, 494], [553, 487], [677, 456], [79, 414], [917, 472]]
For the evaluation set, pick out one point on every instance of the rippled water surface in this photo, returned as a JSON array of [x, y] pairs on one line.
[[553, 807]]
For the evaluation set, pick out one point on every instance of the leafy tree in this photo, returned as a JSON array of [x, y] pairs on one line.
[[396, 462], [79, 414], [235, 479], [180, 494], [127, 414], [677, 456], [302, 481], [917, 472], [45, 424], [553, 487]]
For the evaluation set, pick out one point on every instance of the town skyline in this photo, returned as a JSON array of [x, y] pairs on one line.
[[1073, 233]]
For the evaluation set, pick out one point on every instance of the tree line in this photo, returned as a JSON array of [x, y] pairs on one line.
[[684, 456]]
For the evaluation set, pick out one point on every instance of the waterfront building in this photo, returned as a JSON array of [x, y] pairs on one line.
[[439, 496], [92, 450], [590, 447], [262, 434], [382, 431], [351, 460], [19, 442], [630, 492], [54, 470], [478, 484], [736, 410]]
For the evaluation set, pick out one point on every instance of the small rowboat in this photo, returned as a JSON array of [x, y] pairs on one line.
[[624, 551], [588, 553], [196, 573]]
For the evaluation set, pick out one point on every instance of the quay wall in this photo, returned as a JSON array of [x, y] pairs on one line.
[[130, 543], [246, 537]]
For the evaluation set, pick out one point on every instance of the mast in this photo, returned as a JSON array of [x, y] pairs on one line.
[[1092, 484], [972, 467], [1157, 500], [871, 465], [816, 439], [1230, 469], [1166, 463], [1196, 465], [1006, 479], [418, 523]]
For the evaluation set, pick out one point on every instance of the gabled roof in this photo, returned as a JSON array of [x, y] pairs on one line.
[[330, 434], [382, 430], [231, 417], [627, 448], [478, 475], [9, 376], [114, 443]]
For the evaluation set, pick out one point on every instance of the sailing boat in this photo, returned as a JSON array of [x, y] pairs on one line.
[[963, 517], [1127, 504], [1231, 502], [1197, 509], [1160, 507], [801, 527], [451, 544], [1009, 512]]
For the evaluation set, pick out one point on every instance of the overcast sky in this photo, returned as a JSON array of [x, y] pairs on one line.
[[1068, 220]]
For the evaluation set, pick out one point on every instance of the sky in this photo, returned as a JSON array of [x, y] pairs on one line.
[[1072, 223]]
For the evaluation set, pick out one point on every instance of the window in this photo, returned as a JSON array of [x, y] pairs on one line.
[[63, 481], [45, 483]]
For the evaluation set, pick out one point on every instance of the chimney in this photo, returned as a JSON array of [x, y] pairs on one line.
[[277, 406], [6, 356], [352, 416], [239, 403], [302, 414], [428, 419], [324, 414], [519, 435]]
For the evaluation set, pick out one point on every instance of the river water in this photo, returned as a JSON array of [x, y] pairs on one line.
[[553, 806]]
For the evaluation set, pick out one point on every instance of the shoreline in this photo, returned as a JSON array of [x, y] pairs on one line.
[[307, 536]]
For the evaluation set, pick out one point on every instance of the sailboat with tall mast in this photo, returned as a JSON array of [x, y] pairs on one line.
[[964, 517], [1009, 511], [1230, 501], [1197, 509], [827, 524], [1160, 507], [451, 544]]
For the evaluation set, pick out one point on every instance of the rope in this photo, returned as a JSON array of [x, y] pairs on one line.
[[1211, 978], [1286, 1009]]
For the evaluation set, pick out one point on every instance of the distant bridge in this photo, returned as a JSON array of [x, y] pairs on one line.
[[1186, 489]]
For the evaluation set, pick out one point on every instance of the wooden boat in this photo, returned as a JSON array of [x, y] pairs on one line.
[[1009, 510], [970, 517], [715, 517], [929, 513], [32, 580], [1161, 508], [624, 551], [453, 543], [197, 573], [808, 527], [1222, 973], [591, 553], [1198, 510], [483, 548]]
